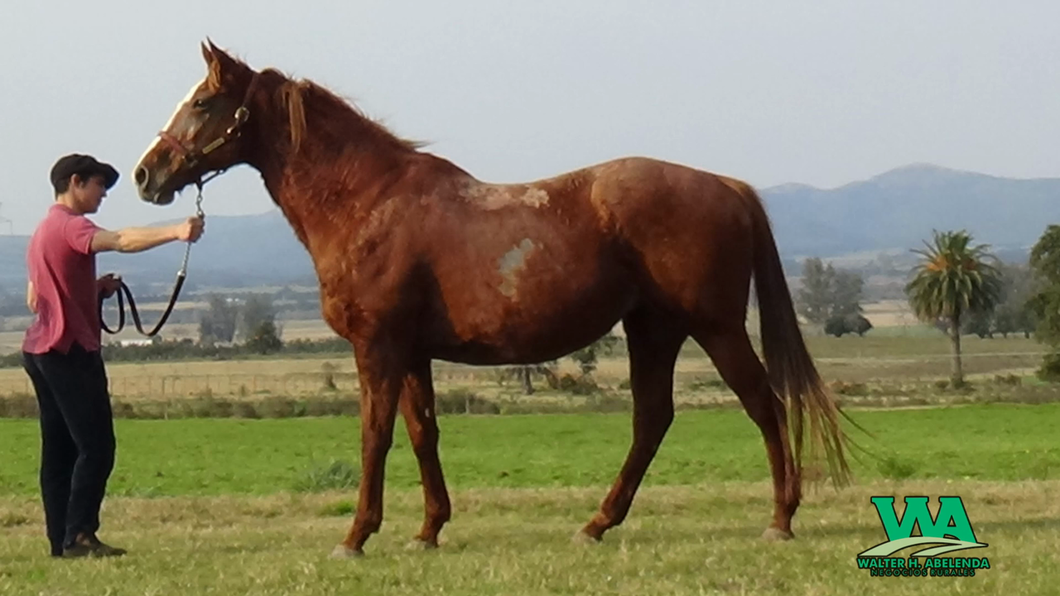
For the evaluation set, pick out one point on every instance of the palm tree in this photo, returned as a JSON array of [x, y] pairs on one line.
[[953, 279]]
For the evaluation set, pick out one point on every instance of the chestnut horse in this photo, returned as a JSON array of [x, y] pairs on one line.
[[418, 260]]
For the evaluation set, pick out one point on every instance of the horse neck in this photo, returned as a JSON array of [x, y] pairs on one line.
[[329, 177]]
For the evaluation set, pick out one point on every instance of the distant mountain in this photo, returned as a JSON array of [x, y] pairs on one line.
[[887, 214], [898, 210]]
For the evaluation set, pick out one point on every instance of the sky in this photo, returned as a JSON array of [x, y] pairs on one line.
[[826, 93]]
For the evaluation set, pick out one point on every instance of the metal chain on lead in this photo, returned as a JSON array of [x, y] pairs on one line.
[[187, 248]]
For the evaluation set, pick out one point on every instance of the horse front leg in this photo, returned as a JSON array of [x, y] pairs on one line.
[[381, 384], [417, 408]]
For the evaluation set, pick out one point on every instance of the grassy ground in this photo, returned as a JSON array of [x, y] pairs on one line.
[[241, 507], [226, 456], [701, 539]]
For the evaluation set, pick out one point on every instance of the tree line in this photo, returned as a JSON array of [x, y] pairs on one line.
[[959, 287], [832, 298], [254, 320]]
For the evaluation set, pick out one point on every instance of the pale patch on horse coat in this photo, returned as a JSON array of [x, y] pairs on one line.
[[492, 197], [511, 264]]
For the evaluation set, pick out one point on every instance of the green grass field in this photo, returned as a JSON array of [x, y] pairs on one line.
[[255, 457], [246, 506], [211, 507]]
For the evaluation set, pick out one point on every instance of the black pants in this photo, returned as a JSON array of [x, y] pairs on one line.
[[77, 440]]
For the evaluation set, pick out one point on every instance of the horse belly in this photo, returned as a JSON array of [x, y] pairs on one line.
[[537, 312]]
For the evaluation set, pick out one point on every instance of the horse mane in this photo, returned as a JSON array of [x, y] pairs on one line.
[[304, 98]]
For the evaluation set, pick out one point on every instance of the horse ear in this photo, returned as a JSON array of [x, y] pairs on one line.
[[219, 63], [213, 66]]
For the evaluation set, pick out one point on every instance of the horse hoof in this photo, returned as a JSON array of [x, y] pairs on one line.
[[583, 537], [775, 535], [418, 544], [344, 552]]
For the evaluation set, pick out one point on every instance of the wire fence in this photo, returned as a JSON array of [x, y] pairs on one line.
[[302, 383], [166, 386], [929, 357]]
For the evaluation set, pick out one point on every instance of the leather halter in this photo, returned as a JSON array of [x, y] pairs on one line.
[[192, 157]]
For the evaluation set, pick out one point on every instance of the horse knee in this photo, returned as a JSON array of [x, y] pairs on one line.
[[650, 432], [369, 522], [424, 441], [656, 419], [377, 442]]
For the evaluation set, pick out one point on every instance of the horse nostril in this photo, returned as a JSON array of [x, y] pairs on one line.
[[141, 176]]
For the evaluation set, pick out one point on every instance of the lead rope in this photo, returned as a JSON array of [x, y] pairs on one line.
[[124, 289]]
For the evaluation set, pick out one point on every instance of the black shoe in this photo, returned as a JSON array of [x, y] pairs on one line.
[[90, 546]]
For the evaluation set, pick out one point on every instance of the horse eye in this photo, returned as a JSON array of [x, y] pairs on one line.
[[199, 104]]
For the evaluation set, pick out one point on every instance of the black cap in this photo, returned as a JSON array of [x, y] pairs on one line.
[[85, 166]]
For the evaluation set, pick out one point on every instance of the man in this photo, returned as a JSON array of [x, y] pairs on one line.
[[61, 349]]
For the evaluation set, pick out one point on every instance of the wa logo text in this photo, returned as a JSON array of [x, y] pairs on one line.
[[947, 531]]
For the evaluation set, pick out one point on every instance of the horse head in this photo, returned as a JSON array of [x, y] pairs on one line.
[[204, 134]]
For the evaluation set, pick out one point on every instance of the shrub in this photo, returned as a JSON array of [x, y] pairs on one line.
[[463, 401], [896, 468], [336, 474], [581, 385]]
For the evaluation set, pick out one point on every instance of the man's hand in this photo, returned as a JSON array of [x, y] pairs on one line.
[[108, 284], [190, 230]]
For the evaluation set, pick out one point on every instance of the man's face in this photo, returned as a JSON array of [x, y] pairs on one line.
[[89, 193]]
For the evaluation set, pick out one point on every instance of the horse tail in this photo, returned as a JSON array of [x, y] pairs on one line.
[[792, 373]]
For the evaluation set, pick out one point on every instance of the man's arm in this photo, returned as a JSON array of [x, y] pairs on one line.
[[141, 239], [132, 239], [31, 297]]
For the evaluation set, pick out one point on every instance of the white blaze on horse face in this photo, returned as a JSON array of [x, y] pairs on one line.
[[511, 264], [172, 119]]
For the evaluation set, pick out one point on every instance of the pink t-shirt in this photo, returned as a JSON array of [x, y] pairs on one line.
[[62, 268]]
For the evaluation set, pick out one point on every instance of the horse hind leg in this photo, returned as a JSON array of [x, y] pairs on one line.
[[742, 371], [653, 343]]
